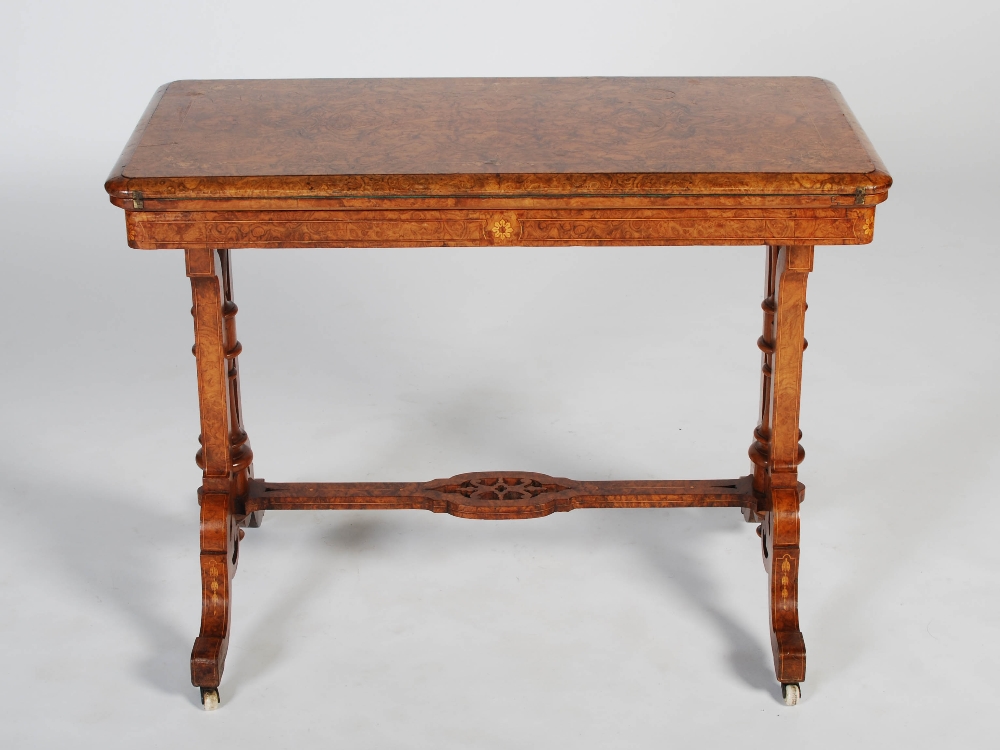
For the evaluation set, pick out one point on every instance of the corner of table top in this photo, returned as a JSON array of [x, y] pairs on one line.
[[117, 185], [880, 178]]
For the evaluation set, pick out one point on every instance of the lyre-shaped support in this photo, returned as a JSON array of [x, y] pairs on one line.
[[776, 452], [225, 458]]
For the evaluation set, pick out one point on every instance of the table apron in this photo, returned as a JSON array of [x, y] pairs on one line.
[[152, 230]]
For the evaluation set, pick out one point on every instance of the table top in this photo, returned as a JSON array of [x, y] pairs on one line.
[[392, 138]]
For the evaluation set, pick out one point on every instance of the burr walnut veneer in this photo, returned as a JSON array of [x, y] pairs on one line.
[[217, 165]]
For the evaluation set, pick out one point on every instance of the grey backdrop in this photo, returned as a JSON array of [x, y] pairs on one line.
[[593, 629]]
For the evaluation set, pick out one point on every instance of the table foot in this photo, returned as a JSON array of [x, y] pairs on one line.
[[208, 659], [780, 550], [789, 649]]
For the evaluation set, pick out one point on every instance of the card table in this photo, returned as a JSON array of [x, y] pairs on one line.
[[215, 166]]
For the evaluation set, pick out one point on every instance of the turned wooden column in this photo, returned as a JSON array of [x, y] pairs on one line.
[[225, 457], [760, 448], [776, 452], [241, 455]]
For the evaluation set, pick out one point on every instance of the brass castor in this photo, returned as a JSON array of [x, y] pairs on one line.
[[790, 691], [210, 698]]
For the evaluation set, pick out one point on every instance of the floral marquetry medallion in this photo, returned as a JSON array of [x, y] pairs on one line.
[[864, 225], [502, 229]]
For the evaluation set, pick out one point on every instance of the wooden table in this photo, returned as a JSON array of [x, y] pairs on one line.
[[217, 165]]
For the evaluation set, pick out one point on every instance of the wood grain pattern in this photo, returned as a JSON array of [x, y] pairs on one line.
[[499, 495], [438, 126], [390, 138], [458, 228]]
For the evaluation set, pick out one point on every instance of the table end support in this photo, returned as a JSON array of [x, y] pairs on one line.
[[225, 458], [776, 454]]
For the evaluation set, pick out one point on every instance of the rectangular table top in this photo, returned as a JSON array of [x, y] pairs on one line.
[[406, 138]]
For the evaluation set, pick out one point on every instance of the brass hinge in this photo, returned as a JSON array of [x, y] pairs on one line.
[[136, 199], [859, 197]]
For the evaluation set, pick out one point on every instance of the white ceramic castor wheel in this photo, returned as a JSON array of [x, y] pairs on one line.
[[210, 698], [791, 692]]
